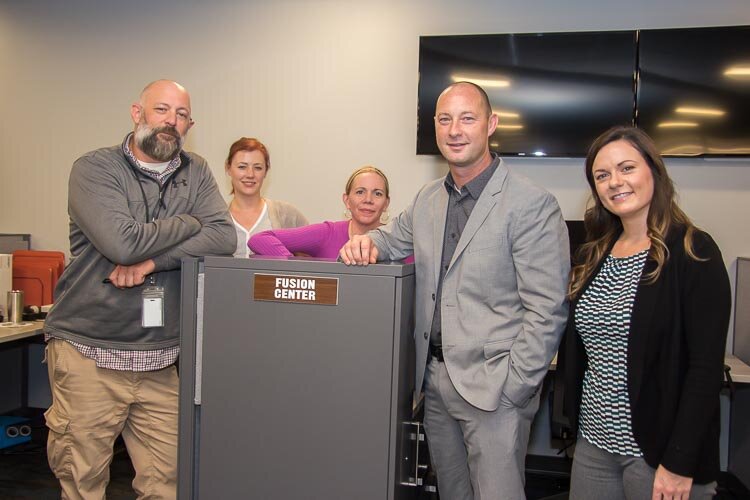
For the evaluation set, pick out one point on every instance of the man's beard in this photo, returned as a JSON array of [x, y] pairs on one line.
[[147, 139]]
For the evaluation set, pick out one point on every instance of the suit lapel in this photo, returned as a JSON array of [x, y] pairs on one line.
[[486, 202], [645, 314], [440, 209], [638, 341]]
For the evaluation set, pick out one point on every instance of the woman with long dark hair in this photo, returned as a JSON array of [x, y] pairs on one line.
[[644, 346]]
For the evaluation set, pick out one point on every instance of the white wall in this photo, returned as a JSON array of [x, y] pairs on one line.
[[327, 85]]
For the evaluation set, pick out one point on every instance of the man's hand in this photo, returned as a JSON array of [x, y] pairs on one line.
[[360, 250], [670, 486], [130, 276]]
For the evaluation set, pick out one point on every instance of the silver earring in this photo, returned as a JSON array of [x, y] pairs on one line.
[[384, 217], [347, 214]]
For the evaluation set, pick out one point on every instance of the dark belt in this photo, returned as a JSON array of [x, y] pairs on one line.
[[436, 352]]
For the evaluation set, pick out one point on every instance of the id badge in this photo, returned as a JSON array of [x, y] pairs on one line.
[[153, 307]]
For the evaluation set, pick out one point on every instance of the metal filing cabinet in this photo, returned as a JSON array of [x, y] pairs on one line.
[[742, 310], [739, 433], [282, 400]]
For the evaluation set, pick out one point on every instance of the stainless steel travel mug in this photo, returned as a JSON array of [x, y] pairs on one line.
[[15, 306]]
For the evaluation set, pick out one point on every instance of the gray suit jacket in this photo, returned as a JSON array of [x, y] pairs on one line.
[[503, 297]]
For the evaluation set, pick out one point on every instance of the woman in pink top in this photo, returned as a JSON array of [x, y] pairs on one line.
[[366, 197]]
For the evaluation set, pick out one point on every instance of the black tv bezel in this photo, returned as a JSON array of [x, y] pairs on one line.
[[635, 119], [639, 120]]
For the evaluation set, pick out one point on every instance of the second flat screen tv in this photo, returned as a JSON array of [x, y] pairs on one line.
[[554, 93], [694, 90]]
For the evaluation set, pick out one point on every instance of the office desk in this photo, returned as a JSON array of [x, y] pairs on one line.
[[740, 372], [739, 431], [13, 333], [15, 345]]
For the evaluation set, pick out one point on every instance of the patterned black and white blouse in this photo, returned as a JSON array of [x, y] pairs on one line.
[[602, 319]]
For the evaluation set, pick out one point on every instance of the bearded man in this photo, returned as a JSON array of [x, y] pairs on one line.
[[113, 334]]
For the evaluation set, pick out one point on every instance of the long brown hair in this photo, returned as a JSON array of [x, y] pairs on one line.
[[603, 228]]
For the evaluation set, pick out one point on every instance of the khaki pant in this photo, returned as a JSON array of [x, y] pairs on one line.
[[91, 406]]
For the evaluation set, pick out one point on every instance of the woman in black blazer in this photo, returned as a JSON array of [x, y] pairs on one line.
[[643, 351]]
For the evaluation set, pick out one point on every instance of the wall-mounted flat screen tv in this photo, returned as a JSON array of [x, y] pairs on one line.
[[553, 92], [694, 90]]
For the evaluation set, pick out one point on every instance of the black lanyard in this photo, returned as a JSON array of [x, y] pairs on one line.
[[160, 204]]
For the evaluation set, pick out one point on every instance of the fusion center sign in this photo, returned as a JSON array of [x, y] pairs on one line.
[[297, 289]]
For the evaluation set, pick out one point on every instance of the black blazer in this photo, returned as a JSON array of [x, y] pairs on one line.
[[675, 359]]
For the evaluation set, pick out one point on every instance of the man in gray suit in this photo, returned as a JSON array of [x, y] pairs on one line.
[[491, 256]]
